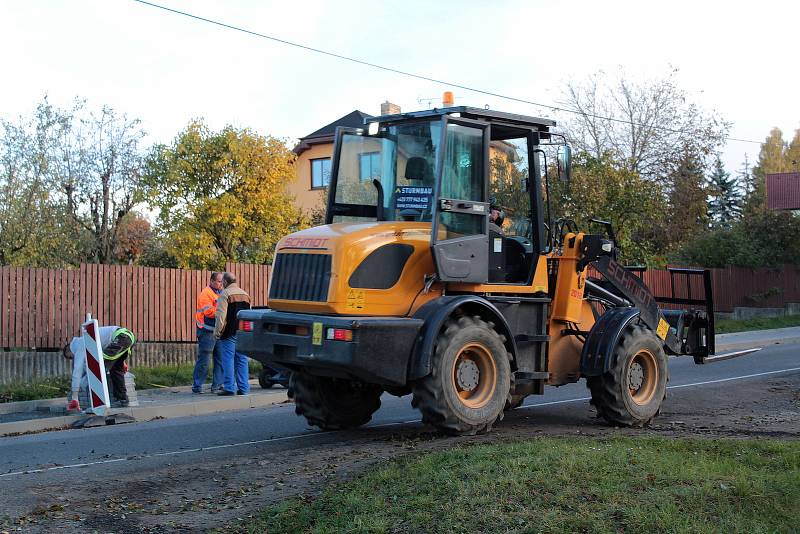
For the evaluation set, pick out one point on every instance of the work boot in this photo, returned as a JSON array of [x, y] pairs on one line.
[[225, 393], [123, 403]]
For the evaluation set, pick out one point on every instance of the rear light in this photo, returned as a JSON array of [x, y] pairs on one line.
[[246, 326], [301, 330], [339, 334]]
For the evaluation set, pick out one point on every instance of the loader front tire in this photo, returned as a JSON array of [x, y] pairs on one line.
[[333, 404], [630, 393], [470, 379]]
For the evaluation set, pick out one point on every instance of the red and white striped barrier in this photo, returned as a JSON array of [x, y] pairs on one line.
[[95, 367]]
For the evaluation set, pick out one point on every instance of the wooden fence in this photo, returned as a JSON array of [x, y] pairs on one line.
[[44, 308], [734, 287]]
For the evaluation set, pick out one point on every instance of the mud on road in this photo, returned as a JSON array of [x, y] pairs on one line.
[[207, 495]]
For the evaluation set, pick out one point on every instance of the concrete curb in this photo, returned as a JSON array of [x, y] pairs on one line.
[[147, 413], [42, 404], [38, 425]]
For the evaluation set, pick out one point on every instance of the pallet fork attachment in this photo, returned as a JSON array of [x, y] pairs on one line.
[[728, 355], [691, 329]]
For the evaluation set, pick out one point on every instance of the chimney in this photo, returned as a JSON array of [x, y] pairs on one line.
[[387, 108]]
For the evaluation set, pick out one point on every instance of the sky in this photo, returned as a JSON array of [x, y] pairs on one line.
[[166, 69]]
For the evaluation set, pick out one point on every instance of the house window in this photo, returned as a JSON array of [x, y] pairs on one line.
[[369, 166], [320, 173]]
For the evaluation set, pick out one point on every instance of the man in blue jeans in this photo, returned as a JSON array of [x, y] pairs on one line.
[[232, 300], [204, 319]]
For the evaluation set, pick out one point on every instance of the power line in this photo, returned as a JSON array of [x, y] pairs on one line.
[[411, 74]]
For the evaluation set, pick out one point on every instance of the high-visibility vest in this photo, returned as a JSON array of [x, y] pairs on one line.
[[205, 314], [120, 332]]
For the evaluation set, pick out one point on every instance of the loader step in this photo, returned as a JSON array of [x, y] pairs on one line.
[[531, 338], [523, 376]]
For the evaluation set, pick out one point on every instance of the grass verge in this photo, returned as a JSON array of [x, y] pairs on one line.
[[146, 378], [564, 485], [728, 326], [47, 388]]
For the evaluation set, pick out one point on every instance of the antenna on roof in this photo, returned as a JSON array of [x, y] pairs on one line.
[[428, 101]]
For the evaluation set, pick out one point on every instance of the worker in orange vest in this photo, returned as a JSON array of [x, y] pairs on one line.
[[204, 319]]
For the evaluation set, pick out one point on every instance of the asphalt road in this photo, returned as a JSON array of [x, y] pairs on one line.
[[102, 453]]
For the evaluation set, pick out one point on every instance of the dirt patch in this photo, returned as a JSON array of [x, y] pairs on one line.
[[208, 494]]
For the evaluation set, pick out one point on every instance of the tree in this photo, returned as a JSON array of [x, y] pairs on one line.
[[767, 239], [133, 238], [221, 195], [688, 211], [725, 200], [100, 167], [771, 159], [608, 190], [745, 176], [646, 126], [35, 227], [792, 155], [156, 252], [69, 176]]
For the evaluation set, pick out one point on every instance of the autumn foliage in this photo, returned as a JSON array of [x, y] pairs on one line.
[[221, 195]]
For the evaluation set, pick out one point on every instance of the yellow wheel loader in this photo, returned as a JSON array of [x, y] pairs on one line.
[[439, 273]]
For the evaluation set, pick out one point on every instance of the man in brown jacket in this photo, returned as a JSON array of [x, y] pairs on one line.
[[230, 302]]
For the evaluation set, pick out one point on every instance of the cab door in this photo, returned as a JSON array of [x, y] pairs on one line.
[[460, 225]]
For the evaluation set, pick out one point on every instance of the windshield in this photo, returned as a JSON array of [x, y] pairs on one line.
[[402, 159]]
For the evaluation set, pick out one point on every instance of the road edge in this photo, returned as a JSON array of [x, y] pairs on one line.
[[148, 413]]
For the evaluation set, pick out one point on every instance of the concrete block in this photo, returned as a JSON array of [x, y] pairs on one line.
[[130, 389], [722, 316], [750, 313], [793, 308]]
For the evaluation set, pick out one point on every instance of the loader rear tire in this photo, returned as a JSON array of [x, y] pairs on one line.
[[470, 379], [631, 392], [333, 404]]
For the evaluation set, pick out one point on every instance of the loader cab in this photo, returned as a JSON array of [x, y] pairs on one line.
[[447, 167]]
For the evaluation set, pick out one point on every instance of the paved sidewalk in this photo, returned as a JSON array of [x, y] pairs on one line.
[[757, 338], [33, 416]]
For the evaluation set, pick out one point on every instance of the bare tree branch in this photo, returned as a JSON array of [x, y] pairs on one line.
[[647, 125]]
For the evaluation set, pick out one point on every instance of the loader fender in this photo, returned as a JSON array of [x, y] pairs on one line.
[[598, 351], [436, 312]]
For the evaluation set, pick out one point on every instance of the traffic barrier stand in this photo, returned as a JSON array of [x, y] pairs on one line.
[[99, 403]]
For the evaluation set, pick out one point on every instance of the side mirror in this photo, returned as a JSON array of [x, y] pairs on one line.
[[565, 163]]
